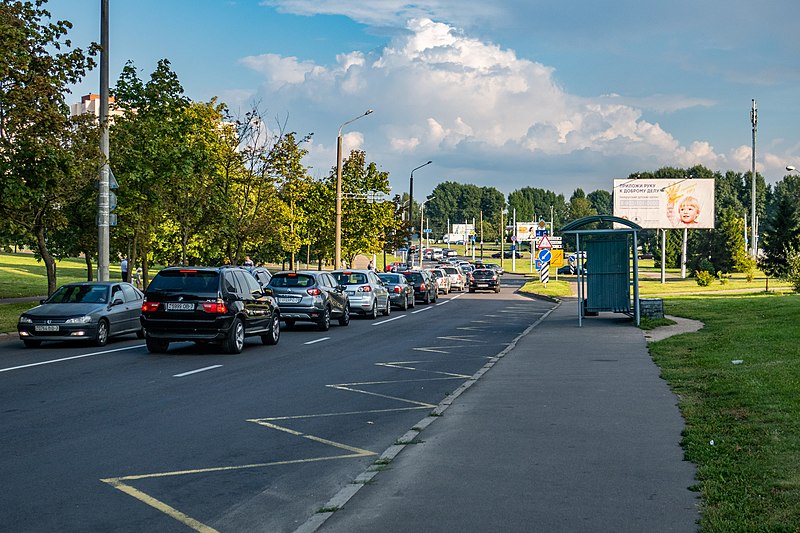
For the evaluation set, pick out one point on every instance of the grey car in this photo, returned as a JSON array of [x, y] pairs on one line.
[[91, 311], [368, 294], [401, 294], [310, 296]]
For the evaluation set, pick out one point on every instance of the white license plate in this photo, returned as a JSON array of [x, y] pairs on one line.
[[483, 284], [180, 307], [45, 328], [288, 300]]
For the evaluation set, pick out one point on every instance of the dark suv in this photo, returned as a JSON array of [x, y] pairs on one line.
[[484, 279], [208, 304], [425, 287]]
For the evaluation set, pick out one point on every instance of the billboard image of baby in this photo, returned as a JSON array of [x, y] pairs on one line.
[[665, 203]]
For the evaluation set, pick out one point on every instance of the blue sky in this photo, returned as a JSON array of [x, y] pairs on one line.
[[509, 93]]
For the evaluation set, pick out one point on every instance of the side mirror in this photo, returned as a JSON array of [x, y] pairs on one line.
[[117, 301], [266, 291]]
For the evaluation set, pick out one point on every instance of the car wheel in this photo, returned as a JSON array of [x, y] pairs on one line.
[[101, 339], [289, 323], [427, 298], [471, 289], [404, 307], [344, 320], [324, 323], [234, 342], [413, 303], [156, 345], [274, 334], [388, 310], [31, 343], [373, 313], [435, 296], [496, 290]]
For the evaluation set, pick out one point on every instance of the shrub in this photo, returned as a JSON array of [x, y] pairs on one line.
[[704, 277], [793, 264], [723, 277]]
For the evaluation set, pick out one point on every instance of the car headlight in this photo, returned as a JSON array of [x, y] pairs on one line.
[[25, 320], [85, 319]]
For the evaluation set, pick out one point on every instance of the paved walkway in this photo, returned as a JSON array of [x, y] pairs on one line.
[[572, 430]]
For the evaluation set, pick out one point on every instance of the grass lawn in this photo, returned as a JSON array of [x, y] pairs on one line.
[[22, 275], [738, 380]]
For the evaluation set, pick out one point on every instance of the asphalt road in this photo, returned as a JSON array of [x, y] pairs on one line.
[[116, 439]]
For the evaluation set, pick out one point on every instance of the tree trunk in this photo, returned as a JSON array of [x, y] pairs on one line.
[[184, 240], [49, 261], [87, 256], [144, 269], [133, 257]]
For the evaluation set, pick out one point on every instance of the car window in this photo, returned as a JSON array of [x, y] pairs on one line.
[[390, 278], [249, 283], [351, 278], [291, 280], [185, 280], [414, 276], [130, 294], [229, 283], [116, 290], [80, 294]]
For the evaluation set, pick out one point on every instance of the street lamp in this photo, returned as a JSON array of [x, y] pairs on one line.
[[411, 191], [791, 168], [338, 239], [422, 225]]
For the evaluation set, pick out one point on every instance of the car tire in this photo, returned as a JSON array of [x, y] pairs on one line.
[[274, 335], [471, 289], [156, 345], [101, 338], [497, 290], [324, 323], [404, 306], [373, 313], [426, 298], [29, 343], [435, 296], [413, 303], [344, 320], [289, 323], [140, 333], [234, 341]]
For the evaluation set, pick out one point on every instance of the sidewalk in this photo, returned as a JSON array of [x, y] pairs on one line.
[[572, 430]]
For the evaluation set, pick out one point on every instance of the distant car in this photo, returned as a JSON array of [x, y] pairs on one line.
[[457, 277], [449, 252], [425, 287], [310, 296], [90, 311], [208, 304], [442, 280], [261, 274], [368, 294], [493, 266], [393, 265], [484, 279], [506, 255], [401, 294]]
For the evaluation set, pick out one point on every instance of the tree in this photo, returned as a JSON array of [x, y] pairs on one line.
[[580, 206], [601, 202], [782, 229], [38, 165], [294, 185]]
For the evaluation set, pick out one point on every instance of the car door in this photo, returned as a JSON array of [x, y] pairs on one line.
[[118, 314], [133, 307], [337, 296], [256, 305], [381, 292]]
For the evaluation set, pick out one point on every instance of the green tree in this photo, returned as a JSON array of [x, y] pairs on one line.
[[294, 186], [580, 206], [601, 202], [782, 229], [39, 168]]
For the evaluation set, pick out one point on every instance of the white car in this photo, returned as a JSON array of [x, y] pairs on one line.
[[367, 293], [457, 278]]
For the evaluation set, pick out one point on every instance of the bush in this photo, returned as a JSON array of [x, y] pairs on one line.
[[704, 277], [703, 264], [723, 277], [793, 263]]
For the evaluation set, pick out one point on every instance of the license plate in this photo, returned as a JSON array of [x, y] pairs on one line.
[[45, 328], [288, 300], [180, 307], [483, 284]]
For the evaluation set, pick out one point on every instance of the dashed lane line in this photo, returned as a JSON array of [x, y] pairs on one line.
[[189, 373], [317, 340], [398, 317], [50, 362]]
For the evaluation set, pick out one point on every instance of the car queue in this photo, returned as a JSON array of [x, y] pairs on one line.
[[224, 305]]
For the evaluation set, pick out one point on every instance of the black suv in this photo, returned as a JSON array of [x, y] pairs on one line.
[[425, 287], [485, 279], [208, 304]]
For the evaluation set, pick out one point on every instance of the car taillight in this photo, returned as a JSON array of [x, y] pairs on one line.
[[314, 291], [150, 307], [365, 288], [422, 287], [217, 307], [396, 289]]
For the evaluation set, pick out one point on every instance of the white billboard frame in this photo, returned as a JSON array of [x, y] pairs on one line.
[[665, 203]]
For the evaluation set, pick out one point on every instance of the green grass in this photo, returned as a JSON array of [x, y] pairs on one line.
[[555, 289], [9, 315], [749, 478], [22, 275]]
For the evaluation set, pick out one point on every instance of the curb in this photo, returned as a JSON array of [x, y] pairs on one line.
[[347, 492]]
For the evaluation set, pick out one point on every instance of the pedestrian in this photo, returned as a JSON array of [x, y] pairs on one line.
[[371, 265], [248, 262], [123, 266], [137, 278]]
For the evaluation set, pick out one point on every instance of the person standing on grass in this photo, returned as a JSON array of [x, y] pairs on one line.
[[123, 266]]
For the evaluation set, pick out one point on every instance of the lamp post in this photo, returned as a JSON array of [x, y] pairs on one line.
[[422, 226], [753, 216], [411, 191], [337, 256]]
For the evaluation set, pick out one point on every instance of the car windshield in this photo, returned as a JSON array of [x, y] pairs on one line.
[[482, 274], [390, 278], [437, 273], [79, 294], [351, 278], [291, 280], [451, 270], [413, 276], [191, 281]]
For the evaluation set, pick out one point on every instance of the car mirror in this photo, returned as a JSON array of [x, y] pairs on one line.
[[43, 300], [266, 291], [341, 287], [117, 301]]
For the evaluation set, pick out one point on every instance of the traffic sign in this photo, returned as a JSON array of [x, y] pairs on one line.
[[545, 255], [513, 238], [545, 243], [539, 264], [541, 232], [427, 230]]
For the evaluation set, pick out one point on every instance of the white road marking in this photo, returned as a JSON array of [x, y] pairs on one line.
[[317, 340], [196, 371], [70, 358], [420, 310], [388, 320]]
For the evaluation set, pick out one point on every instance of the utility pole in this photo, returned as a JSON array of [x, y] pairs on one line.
[[103, 203], [753, 216]]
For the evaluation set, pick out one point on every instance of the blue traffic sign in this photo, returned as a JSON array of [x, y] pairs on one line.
[[545, 255]]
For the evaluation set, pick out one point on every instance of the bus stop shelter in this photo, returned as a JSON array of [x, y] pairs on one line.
[[610, 270]]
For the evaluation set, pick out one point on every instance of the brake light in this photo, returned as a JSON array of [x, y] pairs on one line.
[[314, 291], [365, 288], [396, 289], [422, 286], [217, 307], [188, 271], [150, 307]]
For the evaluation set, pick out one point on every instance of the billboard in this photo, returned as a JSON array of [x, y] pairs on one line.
[[665, 203], [526, 231]]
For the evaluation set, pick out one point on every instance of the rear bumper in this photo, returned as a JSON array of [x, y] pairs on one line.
[[189, 330]]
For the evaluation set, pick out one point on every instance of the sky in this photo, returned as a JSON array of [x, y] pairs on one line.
[[557, 95]]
